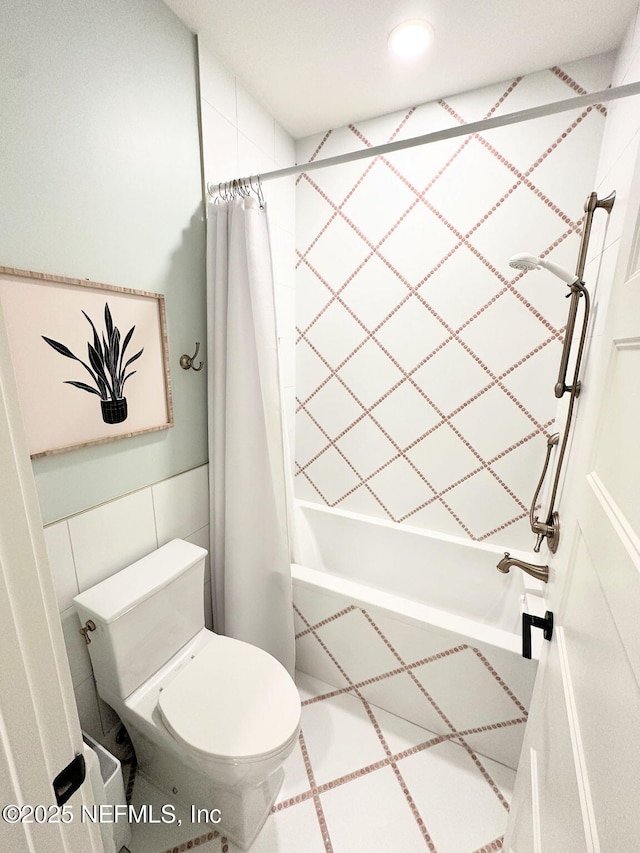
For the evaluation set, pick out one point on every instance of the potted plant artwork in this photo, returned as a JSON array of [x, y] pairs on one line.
[[107, 367]]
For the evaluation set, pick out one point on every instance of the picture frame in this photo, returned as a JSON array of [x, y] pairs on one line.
[[91, 360]]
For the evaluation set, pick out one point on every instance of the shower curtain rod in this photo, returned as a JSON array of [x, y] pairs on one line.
[[615, 94]]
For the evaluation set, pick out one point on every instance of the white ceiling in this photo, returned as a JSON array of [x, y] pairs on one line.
[[319, 64]]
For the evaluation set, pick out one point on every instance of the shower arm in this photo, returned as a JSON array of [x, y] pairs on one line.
[[550, 529]]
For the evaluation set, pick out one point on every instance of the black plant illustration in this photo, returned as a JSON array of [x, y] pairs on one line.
[[107, 367]]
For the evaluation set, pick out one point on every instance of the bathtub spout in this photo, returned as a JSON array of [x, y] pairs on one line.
[[539, 572]]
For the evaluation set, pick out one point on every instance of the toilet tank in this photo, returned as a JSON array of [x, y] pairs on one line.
[[144, 614]]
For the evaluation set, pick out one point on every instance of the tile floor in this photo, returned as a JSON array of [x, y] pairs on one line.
[[360, 779]]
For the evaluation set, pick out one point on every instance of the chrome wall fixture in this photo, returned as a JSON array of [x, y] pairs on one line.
[[549, 527], [541, 573], [536, 526], [577, 290]]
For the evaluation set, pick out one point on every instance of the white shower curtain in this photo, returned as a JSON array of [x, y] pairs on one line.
[[248, 467]]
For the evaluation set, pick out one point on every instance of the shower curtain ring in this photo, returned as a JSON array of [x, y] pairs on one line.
[[257, 189]]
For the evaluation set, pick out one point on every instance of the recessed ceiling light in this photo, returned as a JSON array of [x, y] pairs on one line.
[[411, 39]]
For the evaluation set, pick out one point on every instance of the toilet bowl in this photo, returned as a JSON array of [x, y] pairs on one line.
[[211, 718]]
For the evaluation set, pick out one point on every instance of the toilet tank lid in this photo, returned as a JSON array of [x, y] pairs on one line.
[[113, 597]]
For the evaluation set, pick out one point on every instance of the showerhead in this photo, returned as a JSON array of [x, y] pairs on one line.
[[523, 261]]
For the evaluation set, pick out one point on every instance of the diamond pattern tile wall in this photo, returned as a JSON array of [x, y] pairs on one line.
[[428, 684], [423, 358]]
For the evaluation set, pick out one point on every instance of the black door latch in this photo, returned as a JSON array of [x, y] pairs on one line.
[[529, 621], [69, 780]]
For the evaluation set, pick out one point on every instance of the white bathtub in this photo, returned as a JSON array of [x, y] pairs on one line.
[[417, 623]]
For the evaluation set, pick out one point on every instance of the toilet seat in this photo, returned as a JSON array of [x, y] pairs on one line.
[[232, 701]]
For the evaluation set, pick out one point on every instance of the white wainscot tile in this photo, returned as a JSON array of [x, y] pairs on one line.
[[77, 652], [181, 504], [252, 159], [108, 717], [255, 122], [620, 129], [112, 536], [58, 543], [280, 196], [628, 57], [202, 539], [285, 149], [88, 711], [217, 85], [219, 146]]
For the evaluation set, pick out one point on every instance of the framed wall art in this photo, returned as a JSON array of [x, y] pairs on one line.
[[90, 359]]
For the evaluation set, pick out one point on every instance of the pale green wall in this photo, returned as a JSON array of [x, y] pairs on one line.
[[100, 179]]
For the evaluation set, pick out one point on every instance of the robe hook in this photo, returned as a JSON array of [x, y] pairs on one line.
[[186, 361]]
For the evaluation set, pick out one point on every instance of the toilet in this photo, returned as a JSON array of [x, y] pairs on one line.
[[212, 719]]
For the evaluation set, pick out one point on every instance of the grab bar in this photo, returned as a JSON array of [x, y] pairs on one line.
[[550, 529], [561, 385], [577, 290]]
